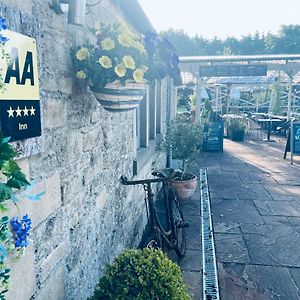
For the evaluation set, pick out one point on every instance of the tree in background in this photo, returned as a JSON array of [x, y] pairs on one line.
[[287, 41]]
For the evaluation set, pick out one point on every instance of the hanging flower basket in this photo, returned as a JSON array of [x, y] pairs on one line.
[[118, 98]]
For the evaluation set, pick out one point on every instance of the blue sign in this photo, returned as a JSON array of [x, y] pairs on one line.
[[296, 137], [213, 137]]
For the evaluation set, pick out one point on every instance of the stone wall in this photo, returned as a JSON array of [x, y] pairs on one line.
[[85, 218]]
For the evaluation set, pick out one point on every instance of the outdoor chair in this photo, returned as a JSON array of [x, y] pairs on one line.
[[253, 130]]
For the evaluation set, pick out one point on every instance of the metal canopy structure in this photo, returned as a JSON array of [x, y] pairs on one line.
[[219, 68]]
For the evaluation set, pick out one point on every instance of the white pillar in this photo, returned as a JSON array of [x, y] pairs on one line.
[[217, 98], [198, 98], [272, 98], [290, 82], [228, 99]]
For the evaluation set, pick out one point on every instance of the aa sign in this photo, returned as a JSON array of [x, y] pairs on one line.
[[19, 100]]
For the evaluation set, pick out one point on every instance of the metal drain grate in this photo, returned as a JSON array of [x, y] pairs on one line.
[[210, 275]]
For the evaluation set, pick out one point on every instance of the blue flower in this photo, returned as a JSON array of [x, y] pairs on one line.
[[3, 25], [3, 39], [21, 230]]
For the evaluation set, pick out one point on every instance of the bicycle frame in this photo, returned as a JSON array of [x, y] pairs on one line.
[[153, 220]]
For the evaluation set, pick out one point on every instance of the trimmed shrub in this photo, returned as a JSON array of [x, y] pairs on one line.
[[141, 275]]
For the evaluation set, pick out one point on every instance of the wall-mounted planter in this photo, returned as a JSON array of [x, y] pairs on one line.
[[118, 98]]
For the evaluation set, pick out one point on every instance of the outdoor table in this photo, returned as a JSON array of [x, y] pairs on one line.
[[269, 126]]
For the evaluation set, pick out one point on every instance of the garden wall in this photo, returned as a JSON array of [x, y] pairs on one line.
[[85, 217]]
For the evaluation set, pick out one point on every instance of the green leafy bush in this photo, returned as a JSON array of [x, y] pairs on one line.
[[141, 275]]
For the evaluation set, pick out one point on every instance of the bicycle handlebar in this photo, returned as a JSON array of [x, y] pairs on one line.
[[164, 175]]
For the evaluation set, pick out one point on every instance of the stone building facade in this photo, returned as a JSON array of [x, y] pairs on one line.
[[85, 217]]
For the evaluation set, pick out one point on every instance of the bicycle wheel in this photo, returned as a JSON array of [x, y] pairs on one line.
[[178, 225], [150, 242]]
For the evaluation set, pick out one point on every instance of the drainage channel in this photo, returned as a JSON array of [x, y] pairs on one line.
[[210, 275]]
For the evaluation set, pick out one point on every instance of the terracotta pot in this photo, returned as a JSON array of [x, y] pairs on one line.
[[185, 188], [117, 98]]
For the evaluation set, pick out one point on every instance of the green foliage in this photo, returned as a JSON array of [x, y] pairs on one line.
[[119, 54], [286, 41], [141, 275], [12, 179], [183, 95], [237, 124], [183, 140], [12, 176], [276, 91]]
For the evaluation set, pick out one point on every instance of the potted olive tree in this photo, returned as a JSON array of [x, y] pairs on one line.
[[182, 140]]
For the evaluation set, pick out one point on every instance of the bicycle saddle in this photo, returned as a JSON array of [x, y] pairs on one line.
[[168, 172]]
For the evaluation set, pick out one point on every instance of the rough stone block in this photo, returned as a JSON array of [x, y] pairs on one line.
[[39, 210], [54, 289], [101, 199], [56, 114], [91, 139], [23, 276], [49, 263], [24, 6]]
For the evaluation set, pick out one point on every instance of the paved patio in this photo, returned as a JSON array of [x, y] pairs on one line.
[[255, 198]]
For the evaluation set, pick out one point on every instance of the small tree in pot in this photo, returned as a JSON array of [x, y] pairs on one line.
[[182, 140]]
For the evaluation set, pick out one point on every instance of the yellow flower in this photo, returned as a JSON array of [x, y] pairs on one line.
[[82, 53], [139, 46], [105, 62], [81, 74], [128, 62], [125, 40], [138, 75], [120, 70], [108, 44]]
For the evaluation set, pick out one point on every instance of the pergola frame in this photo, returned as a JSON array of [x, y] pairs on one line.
[[289, 64]]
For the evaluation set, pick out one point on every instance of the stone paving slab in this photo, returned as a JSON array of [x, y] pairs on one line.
[[233, 210], [278, 208], [194, 283], [278, 192], [231, 248], [192, 261], [191, 264], [255, 199], [251, 282]]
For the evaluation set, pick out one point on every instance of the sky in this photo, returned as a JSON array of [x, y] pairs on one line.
[[222, 18]]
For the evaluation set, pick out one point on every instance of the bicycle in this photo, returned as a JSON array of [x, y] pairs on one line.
[[174, 232]]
